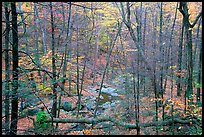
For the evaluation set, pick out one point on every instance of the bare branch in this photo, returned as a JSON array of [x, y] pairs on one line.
[[196, 19]]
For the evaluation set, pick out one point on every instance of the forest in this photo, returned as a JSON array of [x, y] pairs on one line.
[[101, 68]]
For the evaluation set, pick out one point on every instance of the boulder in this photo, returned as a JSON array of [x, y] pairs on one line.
[[90, 105], [67, 106], [113, 104], [106, 105], [33, 112]]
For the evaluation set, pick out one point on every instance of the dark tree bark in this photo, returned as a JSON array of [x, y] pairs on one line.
[[154, 81], [179, 88], [183, 8], [14, 100], [77, 84], [161, 49], [197, 42], [7, 70], [199, 72], [66, 46], [54, 107]]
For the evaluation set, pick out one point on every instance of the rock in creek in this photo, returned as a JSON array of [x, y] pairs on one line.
[[110, 91], [106, 105], [90, 105]]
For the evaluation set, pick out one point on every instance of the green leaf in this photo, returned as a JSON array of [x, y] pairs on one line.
[[172, 67]]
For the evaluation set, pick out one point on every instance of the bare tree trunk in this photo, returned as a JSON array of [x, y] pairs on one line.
[[183, 8], [144, 35], [14, 100], [64, 66], [54, 107], [77, 84], [107, 63], [24, 24], [155, 87], [97, 32], [179, 88], [36, 37], [161, 49], [66, 47], [197, 40], [169, 50], [7, 70], [44, 29], [199, 73], [135, 100], [44, 32], [70, 48]]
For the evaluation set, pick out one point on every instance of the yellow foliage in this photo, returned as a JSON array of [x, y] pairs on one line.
[[167, 107], [87, 132]]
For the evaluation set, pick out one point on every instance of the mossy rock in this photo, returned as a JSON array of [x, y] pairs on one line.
[[67, 106]]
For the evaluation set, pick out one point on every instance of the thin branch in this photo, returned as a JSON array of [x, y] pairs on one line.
[[196, 19]]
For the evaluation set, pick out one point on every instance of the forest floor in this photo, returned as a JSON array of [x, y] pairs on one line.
[[146, 105]]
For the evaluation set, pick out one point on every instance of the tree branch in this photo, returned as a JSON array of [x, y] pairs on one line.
[[196, 19], [180, 8]]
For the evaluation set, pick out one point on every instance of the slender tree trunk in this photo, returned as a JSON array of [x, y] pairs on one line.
[[144, 36], [7, 69], [139, 38], [138, 100], [169, 50], [154, 84], [106, 66], [54, 107], [197, 40], [86, 52], [179, 88], [97, 31], [70, 47], [24, 25], [199, 73], [36, 37], [161, 49], [134, 94], [64, 66], [190, 62], [77, 84], [66, 48], [44, 29], [44, 49], [125, 73], [44, 32], [14, 100]]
